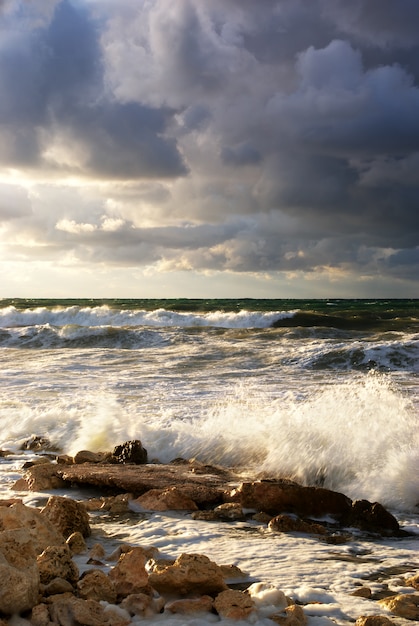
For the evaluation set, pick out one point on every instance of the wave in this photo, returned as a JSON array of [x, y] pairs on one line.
[[361, 321]]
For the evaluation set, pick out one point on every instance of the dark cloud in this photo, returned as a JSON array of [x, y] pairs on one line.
[[270, 136]]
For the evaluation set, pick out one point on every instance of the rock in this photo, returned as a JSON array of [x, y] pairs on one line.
[[288, 523], [85, 456], [149, 552], [373, 620], [170, 499], [67, 515], [282, 496], [69, 610], [372, 517], [188, 606], [413, 581], [36, 443], [97, 551], [129, 574], [76, 543], [131, 452], [403, 605], [143, 604], [292, 616], [96, 585], [267, 597], [57, 585], [56, 562], [117, 504], [18, 572], [42, 478], [230, 511], [362, 592], [40, 615], [189, 574], [232, 572], [233, 604], [42, 532]]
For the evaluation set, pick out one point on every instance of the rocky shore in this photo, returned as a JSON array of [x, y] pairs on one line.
[[40, 547]]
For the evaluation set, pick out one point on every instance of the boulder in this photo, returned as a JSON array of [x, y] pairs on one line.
[[372, 517], [171, 499], [40, 615], [41, 478], [373, 620], [413, 581], [19, 574], [42, 532], [283, 496], [96, 585], [67, 515], [292, 616], [56, 562], [234, 604], [142, 604], [289, 523], [129, 574], [131, 452], [85, 456], [402, 605], [188, 606], [189, 574], [76, 543], [69, 610], [56, 586]]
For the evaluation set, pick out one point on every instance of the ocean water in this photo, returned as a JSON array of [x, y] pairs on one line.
[[321, 391]]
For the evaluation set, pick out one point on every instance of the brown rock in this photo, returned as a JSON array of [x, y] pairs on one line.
[[97, 551], [362, 592], [57, 585], [56, 562], [76, 543], [40, 615], [85, 456], [189, 574], [287, 523], [171, 499], [18, 572], [69, 610], [129, 574], [413, 581], [373, 620], [188, 606], [43, 478], [292, 616], [130, 452], [403, 605], [230, 511], [282, 496], [96, 585], [67, 515], [143, 604], [233, 604], [42, 532], [372, 517], [117, 504]]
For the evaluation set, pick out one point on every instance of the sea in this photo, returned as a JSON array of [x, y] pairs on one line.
[[318, 391]]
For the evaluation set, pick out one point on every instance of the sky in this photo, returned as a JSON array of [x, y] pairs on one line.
[[209, 148]]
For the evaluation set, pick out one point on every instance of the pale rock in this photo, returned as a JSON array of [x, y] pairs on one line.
[[189, 574], [187, 606], [67, 515], [96, 585], [19, 574], [149, 552], [117, 504], [373, 620], [69, 611], [402, 605], [43, 478], [170, 499], [129, 574], [233, 604], [230, 511], [76, 543], [42, 532], [56, 562], [232, 572], [413, 581], [292, 616], [143, 604], [115, 615]]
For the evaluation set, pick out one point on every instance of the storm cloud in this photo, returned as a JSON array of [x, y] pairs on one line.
[[272, 139]]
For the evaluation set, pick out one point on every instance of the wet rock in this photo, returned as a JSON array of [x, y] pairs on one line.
[[233, 604], [18, 572], [143, 605], [96, 585], [36, 443], [129, 574], [189, 574], [403, 605], [171, 499], [56, 562], [68, 611], [373, 620], [131, 452], [282, 496], [56, 586], [372, 517], [188, 606], [230, 512], [67, 515], [413, 581], [267, 597], [288, 523], [76, 543], [292, 616], [85, 456], [362, 592], [41, 530], [41, 478]]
